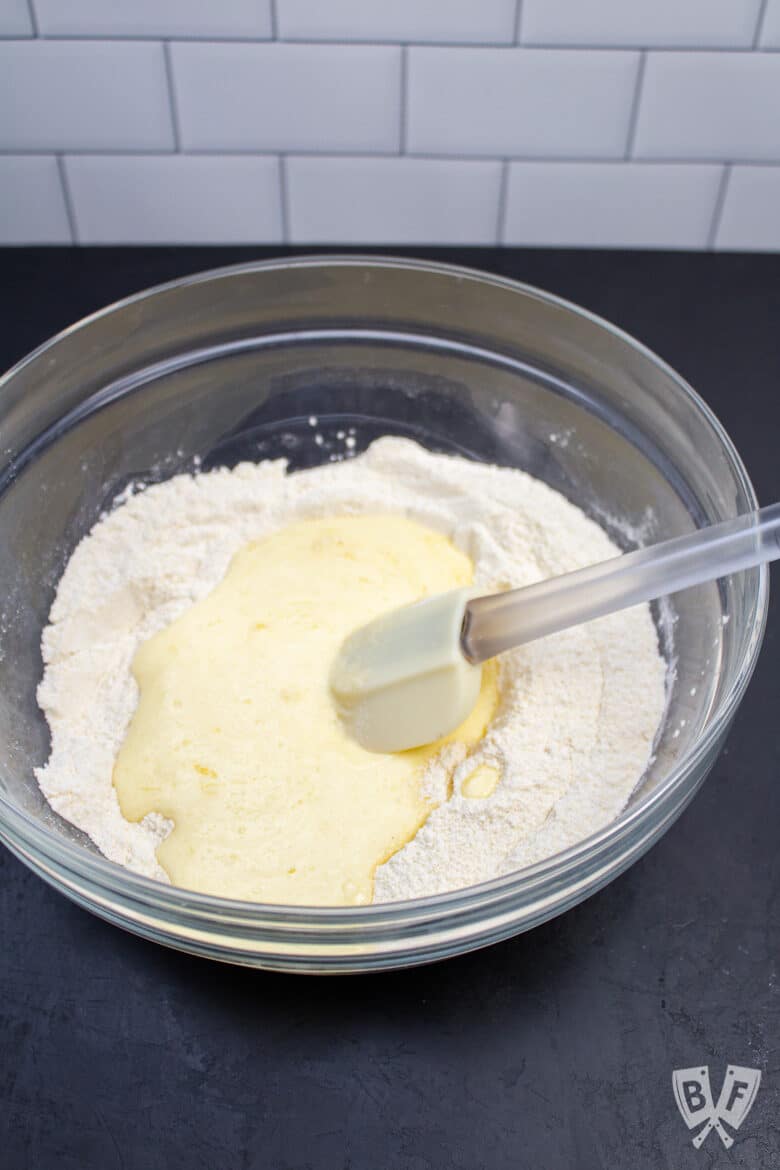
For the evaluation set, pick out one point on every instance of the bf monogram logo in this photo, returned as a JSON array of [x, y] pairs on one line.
[[694, 1100]]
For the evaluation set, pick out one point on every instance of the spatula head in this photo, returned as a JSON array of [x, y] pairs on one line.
[[402, 680]]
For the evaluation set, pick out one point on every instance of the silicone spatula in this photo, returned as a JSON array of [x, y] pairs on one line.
[[413, 675]]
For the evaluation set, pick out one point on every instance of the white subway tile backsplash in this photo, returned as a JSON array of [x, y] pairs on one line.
[[520, 101], [710, 106], [398, 20], [129, 199], [639, 205], [83, 95], [611, 123], [15, 19], [288, 96], [154, 18], [654, 23], [770, 32], [32, 207], [392, 200], [751, 210]]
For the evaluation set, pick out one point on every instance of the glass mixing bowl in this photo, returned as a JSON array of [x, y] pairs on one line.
[[230, 365]]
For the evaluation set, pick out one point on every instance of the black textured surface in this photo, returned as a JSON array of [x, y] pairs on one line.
[[552, 1050]]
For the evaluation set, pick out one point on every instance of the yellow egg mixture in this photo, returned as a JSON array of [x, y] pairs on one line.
[[236, 738]]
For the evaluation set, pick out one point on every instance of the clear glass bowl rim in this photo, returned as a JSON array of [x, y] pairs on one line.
[[23, 833]]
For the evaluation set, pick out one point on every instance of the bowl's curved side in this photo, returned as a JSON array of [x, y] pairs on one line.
[[317, 941]]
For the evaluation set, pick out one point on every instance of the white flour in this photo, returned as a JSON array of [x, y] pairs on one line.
[[578, 711]]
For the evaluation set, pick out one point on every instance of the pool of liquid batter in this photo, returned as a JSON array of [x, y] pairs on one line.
[[236, 738]]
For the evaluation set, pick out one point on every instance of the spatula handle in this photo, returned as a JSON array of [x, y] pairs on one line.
[[499, 622]]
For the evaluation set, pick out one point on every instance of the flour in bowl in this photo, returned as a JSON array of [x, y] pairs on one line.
[[578, 711]]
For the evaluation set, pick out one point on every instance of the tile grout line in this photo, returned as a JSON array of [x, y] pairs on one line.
[[503, 192], [423, 156], [444, 156], [403, 137], [633, 118], [70, 210], [760, 23], [720, 201], [518, 21], [33, 18], [172, 104], [548, 46], [274, 21], [284, 198]]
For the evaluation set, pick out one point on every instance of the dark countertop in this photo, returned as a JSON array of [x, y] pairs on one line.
[[554, 1049]]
